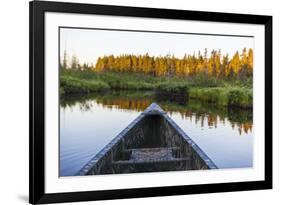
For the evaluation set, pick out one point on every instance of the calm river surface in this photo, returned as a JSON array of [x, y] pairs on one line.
[[89, 122]]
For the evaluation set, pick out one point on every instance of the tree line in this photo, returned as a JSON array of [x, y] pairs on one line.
[[238, 66]]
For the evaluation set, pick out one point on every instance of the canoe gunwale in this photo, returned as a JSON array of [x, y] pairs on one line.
[[153, 109], [114, 141], [196, 148]]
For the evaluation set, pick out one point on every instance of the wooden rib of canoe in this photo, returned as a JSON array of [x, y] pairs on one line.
[[152, 142]]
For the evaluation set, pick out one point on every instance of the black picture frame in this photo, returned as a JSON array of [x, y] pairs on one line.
[[37, 11]]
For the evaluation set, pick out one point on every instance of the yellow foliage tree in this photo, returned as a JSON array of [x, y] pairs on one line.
[[216, 65]]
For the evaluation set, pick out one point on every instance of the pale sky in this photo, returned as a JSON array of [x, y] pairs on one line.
[[89, 44]]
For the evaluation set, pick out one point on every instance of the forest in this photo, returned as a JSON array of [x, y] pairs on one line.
[[239, 66], [212, 77]]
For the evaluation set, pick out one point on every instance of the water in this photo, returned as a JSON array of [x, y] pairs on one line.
[[89, 122]]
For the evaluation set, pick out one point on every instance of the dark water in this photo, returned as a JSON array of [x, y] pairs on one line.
[[89, 122]]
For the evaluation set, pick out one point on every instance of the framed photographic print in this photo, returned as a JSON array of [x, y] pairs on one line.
[[140, 102]]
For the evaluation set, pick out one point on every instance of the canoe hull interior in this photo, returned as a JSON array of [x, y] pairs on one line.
[[151, 143]]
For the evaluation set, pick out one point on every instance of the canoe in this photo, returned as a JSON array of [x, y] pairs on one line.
[[152, 142]]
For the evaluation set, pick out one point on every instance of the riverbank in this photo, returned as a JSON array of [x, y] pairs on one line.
[[220, 92]]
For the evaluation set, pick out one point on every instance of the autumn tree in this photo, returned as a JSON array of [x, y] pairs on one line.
[[215, 65]]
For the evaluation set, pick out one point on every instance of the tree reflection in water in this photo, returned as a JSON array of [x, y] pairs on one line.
[[240, 119]]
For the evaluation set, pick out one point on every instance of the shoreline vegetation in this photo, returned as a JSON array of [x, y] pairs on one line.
[[215, 79]]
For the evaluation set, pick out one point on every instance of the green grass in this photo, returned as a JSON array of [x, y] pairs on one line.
[[224, 96], [239, 96], [70, 85], [211, 90]]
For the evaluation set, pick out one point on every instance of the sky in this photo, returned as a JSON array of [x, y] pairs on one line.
[[89, 44]]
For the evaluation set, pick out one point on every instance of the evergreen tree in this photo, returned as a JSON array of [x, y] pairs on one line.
[[74, 62], [239, 66], [64, 60]]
